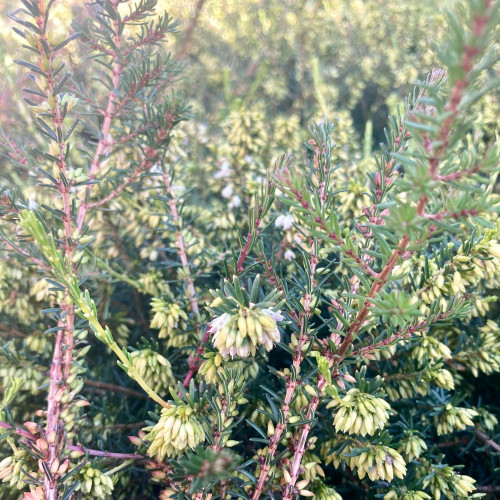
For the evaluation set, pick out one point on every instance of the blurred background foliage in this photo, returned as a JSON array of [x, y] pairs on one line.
[[257, 72]]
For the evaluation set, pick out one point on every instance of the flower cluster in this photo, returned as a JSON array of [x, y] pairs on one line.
[[487, 420], [470, 267], [230, 396], [412, 445], [37, 342], [449, 483], [169, 318], [11, 469], [211, 365], [31, 374], [484, 355], [240, 334], [354, 199], [379, 463], [483, 261], [360, 413], [405, 388], [94, 483], [154, 368], [452, 418], [430, 347], [323, 492], [214, 364], [312, 465], [439, 376], [177, 430], [407, 385]]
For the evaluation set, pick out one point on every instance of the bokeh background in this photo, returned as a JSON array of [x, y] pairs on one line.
[[258, 71]]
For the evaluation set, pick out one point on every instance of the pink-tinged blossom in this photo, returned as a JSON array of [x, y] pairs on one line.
[[285, 221], [32, 204], [276, 315], [224, 171], [240, 334], [218, 322], [235, 202], [227, 191]]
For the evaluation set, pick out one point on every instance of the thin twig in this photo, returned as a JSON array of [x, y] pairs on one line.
[[114, 388], [486, 440], [190, 29], [106, 124], [180, 247], [95, 453]]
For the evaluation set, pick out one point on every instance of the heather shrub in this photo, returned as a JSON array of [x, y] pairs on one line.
[[258, 303]]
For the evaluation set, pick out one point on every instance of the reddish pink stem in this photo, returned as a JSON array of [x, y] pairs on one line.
[[180, 247], [298, 357], [250, 238], [193, 362], [106, 125], [300, 447], [145, 164], [453, 106], [95, 453], [63, 348]]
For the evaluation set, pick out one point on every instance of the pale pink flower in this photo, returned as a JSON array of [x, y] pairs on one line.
[[285, 221]]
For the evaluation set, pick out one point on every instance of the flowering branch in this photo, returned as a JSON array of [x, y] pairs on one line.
[[78, 448], [298, 357], [453, 106], [62, 359]]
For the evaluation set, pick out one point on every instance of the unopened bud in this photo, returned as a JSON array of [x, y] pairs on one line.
[[42, 444], [287, 477], [135, 440], [55, 466], [31, 426]]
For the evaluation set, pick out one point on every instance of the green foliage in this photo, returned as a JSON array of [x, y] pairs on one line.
[[183, 320]]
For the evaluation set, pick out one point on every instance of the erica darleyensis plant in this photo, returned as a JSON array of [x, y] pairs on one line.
[[306, 349]]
